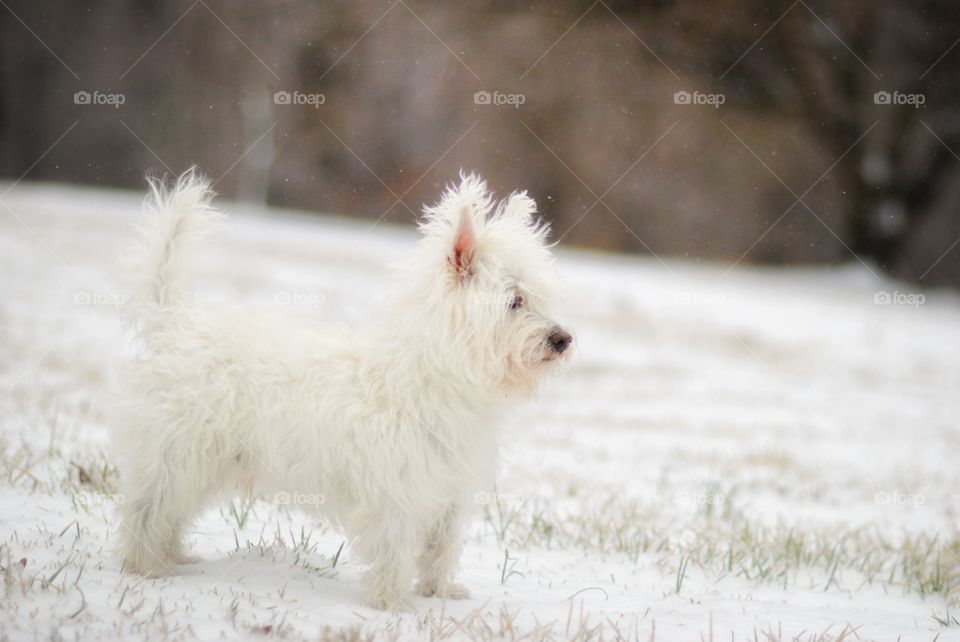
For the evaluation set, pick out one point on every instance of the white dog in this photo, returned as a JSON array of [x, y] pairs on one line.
[[394, 427]]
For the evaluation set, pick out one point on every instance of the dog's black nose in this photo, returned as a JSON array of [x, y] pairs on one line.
[[559, 340]]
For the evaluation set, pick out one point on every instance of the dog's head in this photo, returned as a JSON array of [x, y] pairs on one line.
[[485, 278]]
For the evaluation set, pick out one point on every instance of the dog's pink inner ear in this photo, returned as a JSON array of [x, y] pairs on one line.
[[465, 242]]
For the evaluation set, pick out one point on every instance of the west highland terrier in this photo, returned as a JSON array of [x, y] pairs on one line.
[[394, 427]]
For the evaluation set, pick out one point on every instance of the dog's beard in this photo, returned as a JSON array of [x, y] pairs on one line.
[[530, 365], [520, 378]]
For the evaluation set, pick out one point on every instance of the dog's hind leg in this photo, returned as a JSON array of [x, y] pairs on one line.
[[178, 553], [441, 554], [159, 500]]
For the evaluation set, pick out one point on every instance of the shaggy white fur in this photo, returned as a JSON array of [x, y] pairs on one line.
[[388, 432]]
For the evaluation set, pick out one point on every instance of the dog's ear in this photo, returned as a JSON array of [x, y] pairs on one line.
[[464, 241], [521, 207]]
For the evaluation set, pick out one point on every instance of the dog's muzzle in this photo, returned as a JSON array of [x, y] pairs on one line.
[[559, 340]]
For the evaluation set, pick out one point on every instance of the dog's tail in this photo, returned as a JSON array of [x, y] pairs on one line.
[[177, 216]]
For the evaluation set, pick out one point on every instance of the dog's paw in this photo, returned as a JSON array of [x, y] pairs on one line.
[[152, 571], [386, 598], [443, 590], [183, 559], [394, 604], [453, 591]]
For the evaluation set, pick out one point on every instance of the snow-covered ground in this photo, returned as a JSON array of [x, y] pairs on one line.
[[755, 454]]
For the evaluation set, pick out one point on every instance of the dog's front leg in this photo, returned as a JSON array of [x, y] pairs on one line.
[[441, 554], [387, 540]]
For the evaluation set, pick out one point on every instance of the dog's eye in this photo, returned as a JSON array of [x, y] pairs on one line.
[[517, 302]]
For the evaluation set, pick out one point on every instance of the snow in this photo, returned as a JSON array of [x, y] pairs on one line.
[[744, 453]]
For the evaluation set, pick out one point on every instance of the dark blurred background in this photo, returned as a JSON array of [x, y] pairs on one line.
[[809, 131]]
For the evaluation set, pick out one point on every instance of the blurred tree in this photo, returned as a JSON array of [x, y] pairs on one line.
[[399, 117], [825, 64]]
